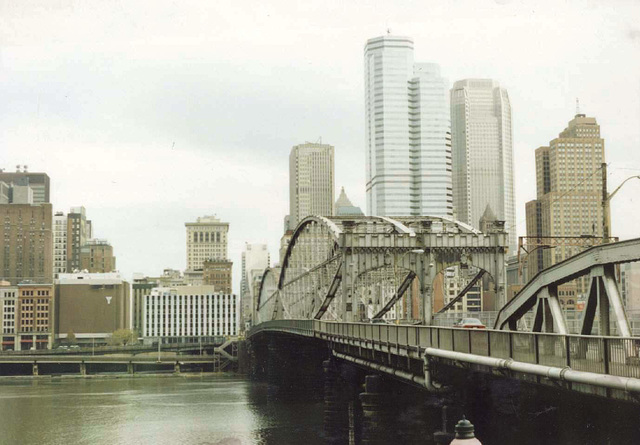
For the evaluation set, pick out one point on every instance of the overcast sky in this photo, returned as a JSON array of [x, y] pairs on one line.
[[153, 113]]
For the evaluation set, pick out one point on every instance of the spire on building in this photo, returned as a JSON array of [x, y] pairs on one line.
[[344, 207]]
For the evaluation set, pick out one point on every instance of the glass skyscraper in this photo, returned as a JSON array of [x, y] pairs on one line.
[[482, 153], [408, 135]]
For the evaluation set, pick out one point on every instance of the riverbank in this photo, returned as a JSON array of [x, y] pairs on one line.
[[185, 375]]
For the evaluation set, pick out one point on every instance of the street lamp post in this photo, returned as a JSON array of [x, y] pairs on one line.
[[606, 201]]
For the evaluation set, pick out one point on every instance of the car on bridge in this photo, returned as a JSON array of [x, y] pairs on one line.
[[469, 323]]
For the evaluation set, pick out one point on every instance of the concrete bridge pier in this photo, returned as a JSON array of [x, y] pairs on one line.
[[35, 368], [336, 405], [83, 368], [375, 425], [130, 368]]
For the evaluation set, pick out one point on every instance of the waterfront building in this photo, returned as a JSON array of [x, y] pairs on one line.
[[218, 273], [35, 316], [189, 314], [569, 184], [344, 207], [96, 256], [8, 311], [26, 242], [92, 306], [407, 132], [255, 259], [78, 232], [140, 287], [482, 153], [311, 181], [206, 239]]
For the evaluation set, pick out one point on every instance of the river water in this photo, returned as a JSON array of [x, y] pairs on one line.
[[153, 410]]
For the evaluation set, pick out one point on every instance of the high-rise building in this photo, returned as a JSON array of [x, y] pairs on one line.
[[59, 244], [482, 153], [78, 232], [26, 243], [569, 192], [311, 181], [38, 182], [407, 133], [206, 239], [344, 207], [96, 256], [255, 259]]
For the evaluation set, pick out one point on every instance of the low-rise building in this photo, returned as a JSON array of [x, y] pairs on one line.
[[35, 316], [91, 306], [8, 310], [217, 273], [186, 314]]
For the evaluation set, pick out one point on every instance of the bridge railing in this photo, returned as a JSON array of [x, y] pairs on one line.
[[604, 355]]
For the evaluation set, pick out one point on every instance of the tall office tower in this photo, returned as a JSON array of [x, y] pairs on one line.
[[311, 181], [482, 153], [407, 132], [39, 183], [59, 244], [569, 191], [206, 240], [255, 259], [26, 242], [96, 256], [77, 236]]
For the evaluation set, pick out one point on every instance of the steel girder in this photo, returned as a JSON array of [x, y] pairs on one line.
[[597, 261]]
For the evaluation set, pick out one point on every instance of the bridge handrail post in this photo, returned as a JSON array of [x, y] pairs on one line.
[[536, 348], [605, 354], [488, 342], [469, 340], [510, 344], [567, 348]]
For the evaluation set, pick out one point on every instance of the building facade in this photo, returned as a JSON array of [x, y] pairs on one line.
[[569, 193], [39, 183], [344, 207], [206, 239], [26, 243], [8, 311], [255, 259], [92, 306], [78, 232], [482, 153], [96, 256], [311, 181], [407, 132], [35, 316], [189, 314], [59, 244], [218, 273]]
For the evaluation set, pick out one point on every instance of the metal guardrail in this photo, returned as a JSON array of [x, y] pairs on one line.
[[615, 356]]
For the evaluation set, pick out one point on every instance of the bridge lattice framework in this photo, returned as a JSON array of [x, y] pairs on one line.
[[357, 268]]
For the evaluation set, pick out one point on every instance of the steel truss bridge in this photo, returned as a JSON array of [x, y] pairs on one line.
[[340, 273]]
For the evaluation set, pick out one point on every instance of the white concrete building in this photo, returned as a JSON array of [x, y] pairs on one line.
[[482, 153], [59, 244], [206, 239], [408, 139], [255, 259], [311, 181], [188, 314], [8, 310]]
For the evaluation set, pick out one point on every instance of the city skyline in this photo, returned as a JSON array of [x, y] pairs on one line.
[[99, 162]]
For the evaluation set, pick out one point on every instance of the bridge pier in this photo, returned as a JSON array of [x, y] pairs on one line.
[[176, 368], [35, 368], [374, 416], [83, 368], [130, 368], [336, 405]]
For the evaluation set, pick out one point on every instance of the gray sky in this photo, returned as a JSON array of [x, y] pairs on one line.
[[153, 113]]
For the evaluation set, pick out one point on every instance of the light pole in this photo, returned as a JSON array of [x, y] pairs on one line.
[[606, 200]]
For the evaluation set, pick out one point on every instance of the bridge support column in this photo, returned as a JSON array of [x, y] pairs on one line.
[[374, 416], [176, 368], [83, 368], [35, 368], [336, 407], [130, 368]]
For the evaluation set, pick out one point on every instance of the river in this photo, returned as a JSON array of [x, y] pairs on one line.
[[153, 410]]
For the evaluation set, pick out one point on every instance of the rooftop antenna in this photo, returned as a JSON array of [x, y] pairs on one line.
[[388, 31], [577, 106], [319, 140], [18, 168]]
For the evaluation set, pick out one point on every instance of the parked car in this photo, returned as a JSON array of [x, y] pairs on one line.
[[469, 323], [74, 347]]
